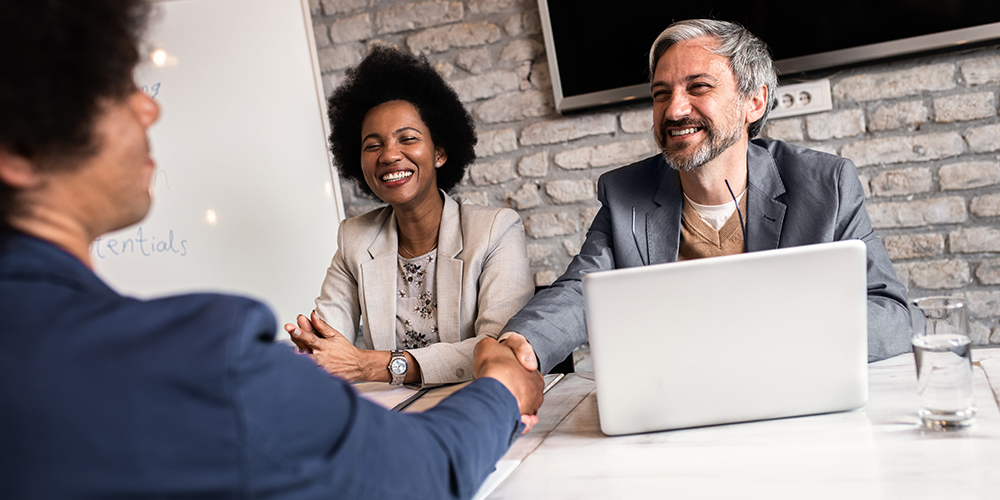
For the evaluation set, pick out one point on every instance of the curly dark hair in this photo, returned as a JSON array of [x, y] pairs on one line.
[[60, 58], [389, 74]]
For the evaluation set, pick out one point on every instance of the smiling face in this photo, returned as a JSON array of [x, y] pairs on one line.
[[398, 157], [698, 112]]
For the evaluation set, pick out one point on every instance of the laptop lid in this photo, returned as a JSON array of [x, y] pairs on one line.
[[754, 336]]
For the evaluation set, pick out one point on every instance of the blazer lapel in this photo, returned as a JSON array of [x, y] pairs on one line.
[[765, 214], [663, 223], [379, 278], [449, 272]]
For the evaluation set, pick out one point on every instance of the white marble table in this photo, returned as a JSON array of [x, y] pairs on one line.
[[877, 452]]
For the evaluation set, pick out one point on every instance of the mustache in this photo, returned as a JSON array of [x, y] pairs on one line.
[[684, 123]]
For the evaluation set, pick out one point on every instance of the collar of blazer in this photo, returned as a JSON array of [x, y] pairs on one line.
[[379, 275], [764, 217]]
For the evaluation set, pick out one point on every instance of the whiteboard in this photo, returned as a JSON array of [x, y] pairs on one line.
[[244, 197]]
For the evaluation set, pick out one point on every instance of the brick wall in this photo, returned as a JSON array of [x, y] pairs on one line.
[[924, 133]]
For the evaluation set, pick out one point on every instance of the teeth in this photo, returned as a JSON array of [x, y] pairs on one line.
[[395, 176], [691, 130]]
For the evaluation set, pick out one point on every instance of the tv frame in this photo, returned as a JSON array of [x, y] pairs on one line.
[[824, 60]]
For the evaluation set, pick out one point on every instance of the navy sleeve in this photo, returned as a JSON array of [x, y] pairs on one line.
[[310, 433]]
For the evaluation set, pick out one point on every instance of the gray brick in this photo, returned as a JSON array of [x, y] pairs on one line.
[[540, 78], [564, 191], [445, 69], [980, 70], [979, 333], [515, 106], [902, 182], [983, 304], [968, 175], [636, 122], [321, 35], [492, 6], [986, 205], [536, 165], [537, 252], [901, 149], [340, 57], [988, 272], [453, 36], [908, 114], [545, 278], [475, 61], [984, 139], [546, 224], [532, 22], [913, 246], [785, 129], [483, 174], [587, 216], [890, 84], [315, 7], [567, 129], [964, 107], [485, 85], [332, 7], [949, 210], [414, 16], [351, 29], [835, 125], [865, 185], [526, 197], [492, 142], [522, 50], [614, 154], [513, 26], [974, 240], [477, 197], [939, 274], [572, 247]]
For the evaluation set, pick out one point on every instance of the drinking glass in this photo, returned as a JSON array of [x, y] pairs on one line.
[[941, 346]]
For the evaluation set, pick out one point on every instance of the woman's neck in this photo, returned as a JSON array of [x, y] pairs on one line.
[[418, 226]]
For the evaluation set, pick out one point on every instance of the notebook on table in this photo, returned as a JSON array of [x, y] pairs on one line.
[[755, 336]]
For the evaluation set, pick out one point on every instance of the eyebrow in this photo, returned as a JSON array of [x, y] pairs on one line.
[[689, 78], [398, 130]]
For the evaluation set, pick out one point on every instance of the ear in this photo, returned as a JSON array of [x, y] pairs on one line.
[[440, 157], [17, 171], [757, 105]]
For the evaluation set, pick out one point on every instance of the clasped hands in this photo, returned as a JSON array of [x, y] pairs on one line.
[[508, 363]]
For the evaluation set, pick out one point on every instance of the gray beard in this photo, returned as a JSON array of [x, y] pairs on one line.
[[706, 152]]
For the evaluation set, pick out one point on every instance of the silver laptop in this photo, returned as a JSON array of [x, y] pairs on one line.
[[755, 336]]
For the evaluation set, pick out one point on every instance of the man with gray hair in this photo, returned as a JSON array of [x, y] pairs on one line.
[[714, 190]]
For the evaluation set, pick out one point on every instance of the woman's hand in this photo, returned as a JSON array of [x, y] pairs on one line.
[[327, 347]]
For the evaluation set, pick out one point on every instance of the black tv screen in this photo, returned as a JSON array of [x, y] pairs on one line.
[[598, 49]]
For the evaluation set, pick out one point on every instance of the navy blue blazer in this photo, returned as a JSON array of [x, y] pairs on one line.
[[109, 396], [795, 196]]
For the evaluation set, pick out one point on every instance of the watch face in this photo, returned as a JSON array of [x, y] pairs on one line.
[[398, 366]]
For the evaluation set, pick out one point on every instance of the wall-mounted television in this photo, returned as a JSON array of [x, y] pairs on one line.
[[598, 49]]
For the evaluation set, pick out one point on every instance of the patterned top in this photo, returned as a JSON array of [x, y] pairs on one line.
[[416, 301]]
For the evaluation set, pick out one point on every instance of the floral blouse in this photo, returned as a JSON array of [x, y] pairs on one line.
[[416, 301]]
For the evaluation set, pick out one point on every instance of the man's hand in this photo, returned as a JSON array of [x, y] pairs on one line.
[[327, 347], [496, 361], [523, 350]]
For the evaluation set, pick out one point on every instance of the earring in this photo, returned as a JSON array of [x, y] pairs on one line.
[[438, 164]]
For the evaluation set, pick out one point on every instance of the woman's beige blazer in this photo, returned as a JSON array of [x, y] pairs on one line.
[[482, 280]]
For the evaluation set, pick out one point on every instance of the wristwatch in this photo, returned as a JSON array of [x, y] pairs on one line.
[[398, 367]]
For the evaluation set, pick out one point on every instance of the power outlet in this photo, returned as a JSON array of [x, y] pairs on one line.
[[803, 98]]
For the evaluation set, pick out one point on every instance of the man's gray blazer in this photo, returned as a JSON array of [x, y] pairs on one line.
[[796, 196]]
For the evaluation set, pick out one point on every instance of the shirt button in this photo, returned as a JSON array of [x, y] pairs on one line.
[[460, 373]]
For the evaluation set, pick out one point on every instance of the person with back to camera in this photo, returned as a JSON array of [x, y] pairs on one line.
[[430, 274], [714, 190], [189, 396]]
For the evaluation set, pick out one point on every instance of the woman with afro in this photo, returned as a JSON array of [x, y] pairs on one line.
[[424, 278]]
